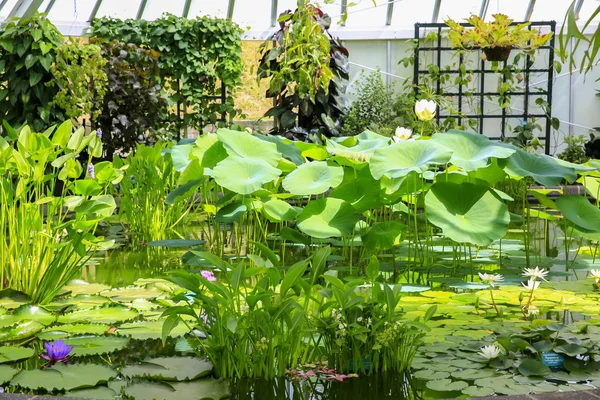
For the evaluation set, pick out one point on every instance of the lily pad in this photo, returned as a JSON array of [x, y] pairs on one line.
[[7, 373], [99, 393], [104, 315], [478, 391], [203, 389], [132, 293], [446, 385], [170, 368], [81, 287], [329, 217], [64, 377], [64, 331], [313, 178], [95, 345], [13, 353], [530, 367], [20, 331], [149, 330]]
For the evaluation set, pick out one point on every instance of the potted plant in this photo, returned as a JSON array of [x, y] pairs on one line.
[[495, 38]]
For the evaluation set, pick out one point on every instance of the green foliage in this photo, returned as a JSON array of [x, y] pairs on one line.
[[195, 56], [307, 72], [41, 249], [575, 151], [377, 108], [29, 48], [80, 77], [571, 32], [133, 108]]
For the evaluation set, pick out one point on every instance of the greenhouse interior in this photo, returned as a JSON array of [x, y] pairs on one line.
[[299, 199]]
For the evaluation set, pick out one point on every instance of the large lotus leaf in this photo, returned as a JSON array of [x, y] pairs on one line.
[[7, 373], [169, 368], [231, 213], [208, 151], [363, 193], [149, 330], [64, 377], [313, 178], [580, 211], [245, 146], [329, 217], [104, 315], [285, 147], [11, 354], [95, 345], [63, 331], [395, 188], [384, 235], [203, 389], [97, 393], [471, 151], [545, 170], [467, 213], [400, 159], [278, 210], [20, 331], [357, 152], [592, 186], [244, 176]]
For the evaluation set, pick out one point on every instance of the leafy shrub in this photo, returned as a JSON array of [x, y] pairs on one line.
[[133, 108], [79, 75], [29, 48], [575, 151]]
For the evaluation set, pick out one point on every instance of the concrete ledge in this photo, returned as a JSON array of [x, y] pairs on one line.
[[11, 396], [580, 395]]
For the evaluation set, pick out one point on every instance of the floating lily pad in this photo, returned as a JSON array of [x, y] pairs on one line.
[[104, 315], [446, 385], [10, 298], [81, 287], [20, 331], [28, 312], [81, 302], [176, 243], [99, 393], [132, 293], [530, 367], [95, 345], [7, 373], [478, 391], [149, 330], [63, 331], [203, 389], [64, 377], [170, 368], [12, 354]]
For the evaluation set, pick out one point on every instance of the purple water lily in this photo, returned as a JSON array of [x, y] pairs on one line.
[[58, 351], [208, 275]]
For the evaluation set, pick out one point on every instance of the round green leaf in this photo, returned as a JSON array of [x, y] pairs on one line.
[[544, 170], [64, 377], [169, 368], [329, 217], [446, 385], [478, 391], [95, 345], [105, 315], [20, 331], [63, 331], [384, 235], [149, 330], [203, 389], [313, 178], [402, 158], [467, 213], [98, 393], [7, 373], [580, 212], [243, 145], [244, 176], [530, 367], [363, 193], [231, 213], [12, 354], [278, 210]]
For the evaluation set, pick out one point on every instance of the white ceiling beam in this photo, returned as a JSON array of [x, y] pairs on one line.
[[25, 8]]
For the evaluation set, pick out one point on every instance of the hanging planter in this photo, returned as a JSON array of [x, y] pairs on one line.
[[497, 53]]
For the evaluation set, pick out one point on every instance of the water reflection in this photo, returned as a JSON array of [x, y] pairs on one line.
[[377, 386]]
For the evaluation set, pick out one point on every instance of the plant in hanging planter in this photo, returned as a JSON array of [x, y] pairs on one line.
[[496, 38]]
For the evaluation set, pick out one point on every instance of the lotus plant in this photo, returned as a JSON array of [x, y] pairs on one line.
[[56, 352], [425, 109], [491, 280], [402, 134], [595, 274], [489, 352]]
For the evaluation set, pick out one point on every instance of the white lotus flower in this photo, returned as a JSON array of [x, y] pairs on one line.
[[535, 273], [425, 109], [532, 284], [489, 352], [490, 279], [595, 273], [402, 134]]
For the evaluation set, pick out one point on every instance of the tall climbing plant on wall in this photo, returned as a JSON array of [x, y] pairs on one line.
[[197, 58]]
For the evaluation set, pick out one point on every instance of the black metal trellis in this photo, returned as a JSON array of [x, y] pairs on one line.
[[437, 48]]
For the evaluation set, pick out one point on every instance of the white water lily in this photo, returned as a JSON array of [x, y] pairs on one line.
[[490, 279], [489, 352], [402, 134], [535, 273], [595, 273], [532, 284], [532, 310], [425, 109]]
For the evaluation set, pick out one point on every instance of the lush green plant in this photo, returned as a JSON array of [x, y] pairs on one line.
[[133, 109], [42, 247], [27, 97], [496, 33], [195, 56], [575, 151], [79, 75], [307, 71], [149, 176], [524, 135], [570, 31]]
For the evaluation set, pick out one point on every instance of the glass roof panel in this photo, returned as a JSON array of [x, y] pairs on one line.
[[409, 12], [588, 8], [7, 8], [548, 10], [118, 9], [208, 7], [363, 14], [65, 10], [515, 9], [156, 8], [458, 10], [255, 14]]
